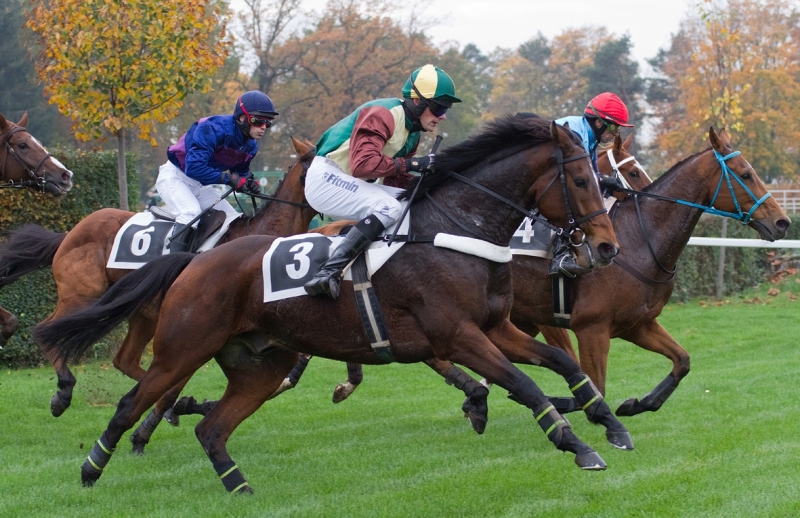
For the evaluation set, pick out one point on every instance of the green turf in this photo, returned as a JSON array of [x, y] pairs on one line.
[[725, 444]]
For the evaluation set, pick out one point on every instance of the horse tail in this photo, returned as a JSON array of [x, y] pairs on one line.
[[27, 249], [73, 335]]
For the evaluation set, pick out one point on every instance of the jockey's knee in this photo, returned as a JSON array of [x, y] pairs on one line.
[[387, 211]]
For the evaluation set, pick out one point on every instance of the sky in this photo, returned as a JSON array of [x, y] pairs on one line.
[[508, 23]]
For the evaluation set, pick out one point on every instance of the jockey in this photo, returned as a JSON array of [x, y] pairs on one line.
[[201, 157], [364, 161], [599, 124]]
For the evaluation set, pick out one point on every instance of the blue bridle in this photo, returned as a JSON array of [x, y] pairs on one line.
[[727, 174]]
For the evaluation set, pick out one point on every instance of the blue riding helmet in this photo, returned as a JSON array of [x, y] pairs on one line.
[[255, 103]]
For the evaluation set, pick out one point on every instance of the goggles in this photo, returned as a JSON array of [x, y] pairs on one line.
[[258, 122], [612, 127], [437, 110]]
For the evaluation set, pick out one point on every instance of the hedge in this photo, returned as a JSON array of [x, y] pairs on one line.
[[33, 297]]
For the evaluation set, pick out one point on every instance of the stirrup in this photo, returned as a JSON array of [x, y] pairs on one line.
[[565, 265]]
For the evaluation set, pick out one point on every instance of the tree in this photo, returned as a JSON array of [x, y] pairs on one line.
[[613, 70], [111, 65], [734, 64]]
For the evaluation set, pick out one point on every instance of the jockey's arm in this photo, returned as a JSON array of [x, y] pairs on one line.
[[373, 128]]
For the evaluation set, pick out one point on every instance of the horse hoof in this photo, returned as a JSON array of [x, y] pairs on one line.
[[621, 440], [58, 405], [138, 445], [590, 461], [630, 407], [286, 384], [244, 490], [343, 391], [478, 422], [89, 476], [172, 418]]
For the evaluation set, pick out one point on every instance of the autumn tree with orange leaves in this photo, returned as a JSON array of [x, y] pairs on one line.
[[733, 64], [112, 65]]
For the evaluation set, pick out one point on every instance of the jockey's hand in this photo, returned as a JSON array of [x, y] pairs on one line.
[[610, 183], [251, 186], [234, 180], [421, 164]]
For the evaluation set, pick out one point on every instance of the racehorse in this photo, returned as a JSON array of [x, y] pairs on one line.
[[27, 164], [437, 301], [79, 261], [615, 162]]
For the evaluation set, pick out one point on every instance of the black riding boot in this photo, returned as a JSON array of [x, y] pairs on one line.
[[183, 242], [356, 241], [564, 262]]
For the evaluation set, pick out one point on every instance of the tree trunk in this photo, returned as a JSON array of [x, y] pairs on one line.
[[122, 173]]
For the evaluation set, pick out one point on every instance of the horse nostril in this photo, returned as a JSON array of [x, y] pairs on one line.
[[607, 251], [782, 224]]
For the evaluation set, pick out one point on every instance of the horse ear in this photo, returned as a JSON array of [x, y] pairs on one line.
[[617, 143], [628, 143], [719, 141], [554, 131], [24, 120], [3, 123], [299, 147]]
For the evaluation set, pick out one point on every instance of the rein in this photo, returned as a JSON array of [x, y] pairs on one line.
[[533, 213], [36, 181]]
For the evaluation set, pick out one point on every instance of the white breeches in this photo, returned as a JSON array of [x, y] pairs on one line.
[[185, 197], [338, 195]]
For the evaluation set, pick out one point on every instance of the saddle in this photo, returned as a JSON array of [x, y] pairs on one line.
[[209, 223]]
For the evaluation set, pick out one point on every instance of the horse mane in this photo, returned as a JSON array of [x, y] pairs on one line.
[[499, 139], [307, 157], [661, 179]]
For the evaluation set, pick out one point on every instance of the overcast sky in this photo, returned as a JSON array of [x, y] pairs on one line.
[[508, 23]]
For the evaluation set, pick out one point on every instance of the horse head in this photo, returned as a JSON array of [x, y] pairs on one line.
[[745, 197], [26, 163], [579, 209], [618, 162]]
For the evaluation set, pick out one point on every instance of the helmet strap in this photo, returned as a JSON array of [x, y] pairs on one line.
[[414, 112], [243, 126], [597, 131]]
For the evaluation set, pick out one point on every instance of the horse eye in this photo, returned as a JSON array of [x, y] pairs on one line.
[[23, 145], [581, 184], [746, 176], [635, 174]]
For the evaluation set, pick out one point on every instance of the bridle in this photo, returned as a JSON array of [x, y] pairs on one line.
[[35, 181], [616, 165], [533, 213]]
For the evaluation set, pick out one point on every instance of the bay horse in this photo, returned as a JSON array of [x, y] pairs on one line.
[[79, 259], [616, 162], [27, 164], [452, 305]]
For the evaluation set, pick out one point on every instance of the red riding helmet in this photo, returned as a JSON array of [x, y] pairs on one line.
[[609, 107]]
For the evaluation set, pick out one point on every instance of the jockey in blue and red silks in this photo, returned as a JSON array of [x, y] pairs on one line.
[[215, 150], [600, 123], [364, 160]]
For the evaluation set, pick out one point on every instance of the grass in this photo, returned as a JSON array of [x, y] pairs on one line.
[[725, 444]]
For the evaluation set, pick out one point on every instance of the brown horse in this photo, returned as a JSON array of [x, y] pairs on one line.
[[452, 305], [79, 261], [616, 162], [27, 164]]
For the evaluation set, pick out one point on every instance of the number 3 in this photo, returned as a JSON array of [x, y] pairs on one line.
[[301, 257]]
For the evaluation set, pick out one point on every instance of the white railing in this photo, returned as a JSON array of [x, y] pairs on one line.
[[789, 199], [747, 243]]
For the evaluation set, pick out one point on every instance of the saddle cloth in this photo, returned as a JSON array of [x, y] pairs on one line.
[[144, 237], [292, 261], [532, 239]]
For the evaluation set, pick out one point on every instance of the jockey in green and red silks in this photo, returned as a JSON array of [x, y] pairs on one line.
[[215, 150], [377, 142]]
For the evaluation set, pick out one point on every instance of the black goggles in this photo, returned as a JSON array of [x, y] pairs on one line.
[[610, 126], [437, 110]]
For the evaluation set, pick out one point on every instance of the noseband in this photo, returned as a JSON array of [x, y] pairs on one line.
[[35, 181], [616, 165]]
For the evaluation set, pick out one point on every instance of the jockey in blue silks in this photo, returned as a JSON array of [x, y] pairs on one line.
[[215, 150]]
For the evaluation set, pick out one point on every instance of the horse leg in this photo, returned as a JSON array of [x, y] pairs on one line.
[[141, 436], [9, 324], [249, 385], [66, 380], [160, 377], [653, 337], [355, 375], [521, 348], [558, 337], [594, 343], [293, 378], [475, 407], [476, 351], [129, 357]]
